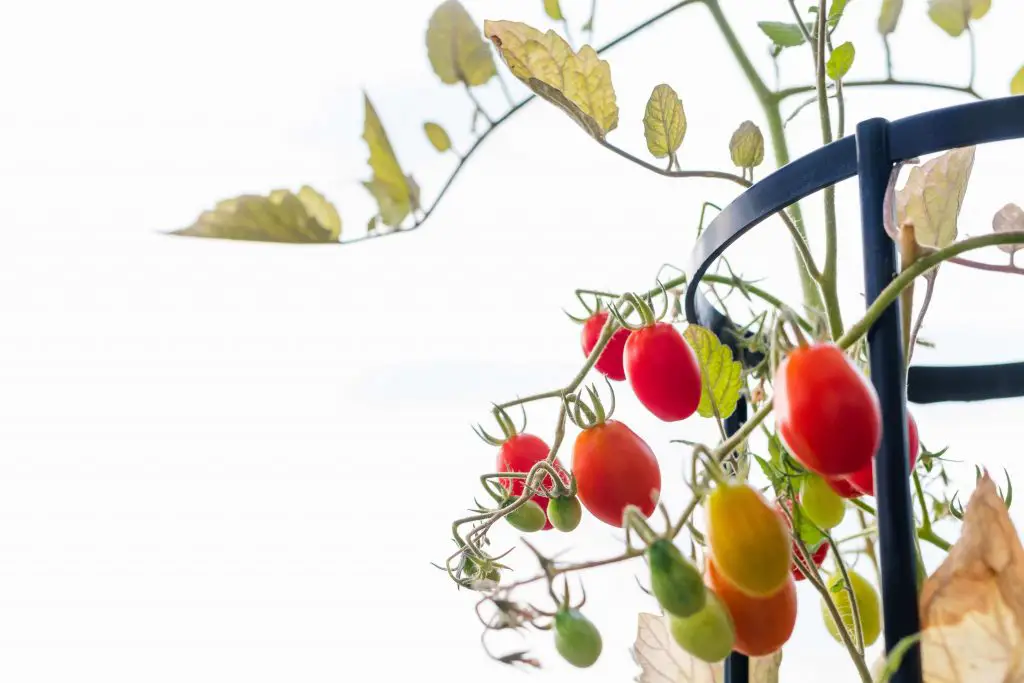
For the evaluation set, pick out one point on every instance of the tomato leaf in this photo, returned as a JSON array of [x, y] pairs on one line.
[[281, 216], [889, 16], [389, 185], [438, 136], [840, 61], [835, 12], [783, 34], [664, 122], [746, 147], [1017, 83], [933, 194], [1010, 218], [580, 84], [661, 660], [455, 47], [953, 16], [554, 10], [720, 374]]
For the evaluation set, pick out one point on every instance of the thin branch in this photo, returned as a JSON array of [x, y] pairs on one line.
[[966, 89], [991, 267]]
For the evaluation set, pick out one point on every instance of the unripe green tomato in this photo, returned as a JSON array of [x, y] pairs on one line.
[[823, 506], [565, 512], [709, 634], [675, 582], [867, 605], [576, 638], [528, 517]]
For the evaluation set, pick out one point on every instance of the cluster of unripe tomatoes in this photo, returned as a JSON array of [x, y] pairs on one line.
[[827, 417]]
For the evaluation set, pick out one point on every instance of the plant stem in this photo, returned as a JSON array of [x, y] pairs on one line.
[[800, 89]]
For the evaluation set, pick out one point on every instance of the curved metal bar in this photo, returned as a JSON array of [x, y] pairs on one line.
[[948, 128]]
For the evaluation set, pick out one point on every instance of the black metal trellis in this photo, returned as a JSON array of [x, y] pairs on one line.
[[870, 155]]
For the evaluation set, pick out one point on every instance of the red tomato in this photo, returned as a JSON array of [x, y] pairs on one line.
[[663, 371], [863, 480], [842, 487], [826, 410], [818, 556], [610, 362], [519, 454], [762, 624], [809, 534], [614, 468]]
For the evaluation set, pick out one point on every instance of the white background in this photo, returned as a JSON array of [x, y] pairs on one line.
[[234, 462]]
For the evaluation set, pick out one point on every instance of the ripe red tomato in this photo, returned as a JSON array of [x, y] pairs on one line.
[[610, 362], [842, 487], [518, 454], [826, 411], [614, 468], [818, 555], [863, 480], [663, 371], [763, 624]]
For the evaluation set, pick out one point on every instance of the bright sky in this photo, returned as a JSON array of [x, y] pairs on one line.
[[227, 461]]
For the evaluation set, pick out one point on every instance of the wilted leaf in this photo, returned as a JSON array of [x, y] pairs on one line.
[[952, 16], [1010, 218], [840, 61], [438, 136], [746, 147], [783, 34], [389, 185], [889, 16], [1017, 83], [455, 47], [661, 660], [720, 374], [553, 10], [933, 195], [578, 83], [664, 122], [281, 216], [972, 607]]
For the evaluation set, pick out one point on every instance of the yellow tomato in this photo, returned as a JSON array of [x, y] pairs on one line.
[[867, 604]]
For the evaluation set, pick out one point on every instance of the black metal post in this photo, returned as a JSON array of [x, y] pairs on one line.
[[737, 666], [892, 470]]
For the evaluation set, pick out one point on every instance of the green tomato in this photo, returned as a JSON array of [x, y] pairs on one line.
[[565, 512], [868, 606], [576, 638], [675, 582], [708, 635], [822, 505], [528, 517]]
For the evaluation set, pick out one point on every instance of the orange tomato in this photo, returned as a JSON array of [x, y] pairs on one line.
[[762, 625]]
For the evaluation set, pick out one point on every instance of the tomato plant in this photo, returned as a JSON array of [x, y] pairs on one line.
[[519, 453], [824, 507], [565, 512], [675, 582], [826, 411], [818, 556], [863, 480], [527, 517], [663, 371], [576, 638], [615, 468], [762, 624], [867, 604], [609, 363], [708, 635]]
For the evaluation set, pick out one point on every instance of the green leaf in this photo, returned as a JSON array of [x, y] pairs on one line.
[[438, 136], [840, 61], [664, 122], [456, 49], [783, 34], [933, 194], [835, 12], [580, 84], [389, 185], [953, 16], [746, 147], [282, 216], [889, 16], [1017, 83], [553, 10], [720, 374]]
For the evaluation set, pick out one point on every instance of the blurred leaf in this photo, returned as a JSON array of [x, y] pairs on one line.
[[1017, 83], [661, 660], [388, 185], [664, 122], [933, 195], [889, 16], [1010, 218], [456, 48], [840, 61], [783, 34], [746, 147], [281, 216], [953, 16], [438, 136], [553, 10], [578, 83], [719, 372], [835, 12]]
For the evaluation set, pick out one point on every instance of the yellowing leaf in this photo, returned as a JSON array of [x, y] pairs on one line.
[[578, 83], [280, 216], [661, 660], [553, 10], [746, 147], [972, 607], [1010, 218], [782, 33], [932, 197], [1017, 83], [438, 136], [388, 185], [889, 16], [952, 16], [720, 374], [664, 122], [455, 47], [840, 61]]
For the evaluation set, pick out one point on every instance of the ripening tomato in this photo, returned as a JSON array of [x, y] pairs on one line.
[[809, 534], [749, 542], [863, 480], [817, 555], [610, 362], [614, 468], [675, 582], [663, 371], [843, 488], [576, 638], [762, 625], [826, 411], [518, 454], [868, 606], [824, 507], [565, 512], [708, 635]]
